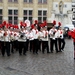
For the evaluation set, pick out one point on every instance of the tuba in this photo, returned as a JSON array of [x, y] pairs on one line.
[[23, 36]]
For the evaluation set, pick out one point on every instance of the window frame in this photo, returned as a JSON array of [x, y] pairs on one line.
[[28, 1], [13, 15], [42, 16], [28, 16], [13, 1], [1, 15], [42, 2]]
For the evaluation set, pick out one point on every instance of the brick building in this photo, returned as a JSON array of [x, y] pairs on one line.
[[14, 11]]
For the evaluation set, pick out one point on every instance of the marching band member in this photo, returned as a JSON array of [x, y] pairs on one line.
[[22, 41], [2, 41], [27, 35], [61, 40], [16, 37], [6, 39], [35, 34], [12, 38], [1, 37], [53, 39], [45, 40], [40, 37], [31, 39]]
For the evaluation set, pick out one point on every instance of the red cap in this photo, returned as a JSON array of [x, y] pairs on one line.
[[24, 24], [36, 22], [59, 23], [7, 25], [54, 22], [4, 22], [45, 23], [32, 26], [21, 23]]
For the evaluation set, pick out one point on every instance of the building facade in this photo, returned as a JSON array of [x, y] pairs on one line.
[[14, 11], [73, 10]]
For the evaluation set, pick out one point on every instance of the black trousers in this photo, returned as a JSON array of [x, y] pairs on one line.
[[27, 44], [6, 48], [12, 46], [22, 47], [16, 45], [61, 43], [31, 45], [44, 46], [40, 44], [35, 47], [52, 43]]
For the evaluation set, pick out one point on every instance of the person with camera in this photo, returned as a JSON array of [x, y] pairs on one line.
[[22, 41], [53, 39], [61, 41]]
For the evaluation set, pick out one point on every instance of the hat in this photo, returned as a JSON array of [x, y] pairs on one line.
[[54, 22], [4, 23], [32, 26], [59, 24], [36, 22]]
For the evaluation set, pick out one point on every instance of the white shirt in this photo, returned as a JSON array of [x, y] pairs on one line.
[[7, 37], [60, 34], [22, 39], [16, 35], [53, 33], [41, 35], [45, 38], [31, 36], [35, 33]]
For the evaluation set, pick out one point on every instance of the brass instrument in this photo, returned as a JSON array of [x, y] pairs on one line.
[[23, 36]]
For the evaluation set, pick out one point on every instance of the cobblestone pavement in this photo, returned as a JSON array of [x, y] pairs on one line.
[[41, 64]]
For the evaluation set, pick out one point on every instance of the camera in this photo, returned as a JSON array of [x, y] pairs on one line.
[[60, 36], [53, 32]]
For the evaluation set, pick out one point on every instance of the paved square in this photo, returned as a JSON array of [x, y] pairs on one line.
[[61, 63]]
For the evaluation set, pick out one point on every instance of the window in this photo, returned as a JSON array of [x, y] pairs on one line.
[[1, 16], [27, 15], [12, 0], [13, 16], [42, 15], [65, 5], [28, 1], [56, 5], [39, 12], [42, 1], [0, 0]]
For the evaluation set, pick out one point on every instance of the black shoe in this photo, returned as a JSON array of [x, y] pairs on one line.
[[43, 52], [20, 54], [62, 49], [57, 51], [24, 54], [3, 55], [8, 55], [48, 52], [51, 51], [33, 52], [12, 52], [36, 52]]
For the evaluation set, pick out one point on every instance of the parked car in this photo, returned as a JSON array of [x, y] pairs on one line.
[[70, 26], [67, 28]]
